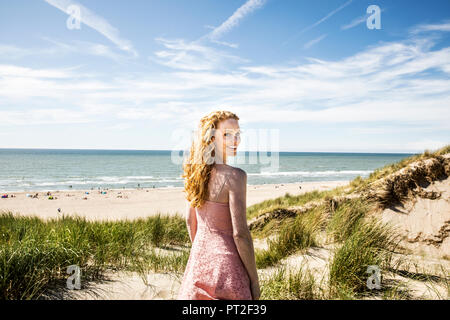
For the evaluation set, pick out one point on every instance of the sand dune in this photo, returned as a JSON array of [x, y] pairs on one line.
[[414, 199], [423, 217]]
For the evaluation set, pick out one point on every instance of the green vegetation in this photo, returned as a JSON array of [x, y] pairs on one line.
[[35, 253], [293, 285], [361, 241], [295, 234], [345, 218], [359, 238], [289, 200], [369, 242], [359, 183]]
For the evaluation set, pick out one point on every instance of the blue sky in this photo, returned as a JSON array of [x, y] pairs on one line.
[[140, 74]]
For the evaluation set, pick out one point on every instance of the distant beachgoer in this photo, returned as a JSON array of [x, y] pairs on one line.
[[221, 264]]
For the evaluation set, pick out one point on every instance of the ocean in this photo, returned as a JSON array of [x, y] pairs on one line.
[[64, 169]]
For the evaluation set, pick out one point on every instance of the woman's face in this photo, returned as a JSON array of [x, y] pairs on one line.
[[227, 138]]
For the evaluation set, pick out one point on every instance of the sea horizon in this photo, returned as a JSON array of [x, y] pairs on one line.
[[39, 169], [171, 150]]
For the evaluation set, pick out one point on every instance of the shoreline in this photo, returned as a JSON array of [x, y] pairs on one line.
[[118, 204], [84, 190], [151, 188]]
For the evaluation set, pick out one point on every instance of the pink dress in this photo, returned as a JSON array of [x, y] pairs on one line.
[[214, 269]]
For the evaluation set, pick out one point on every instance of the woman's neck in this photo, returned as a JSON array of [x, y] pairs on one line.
[[220, 160]]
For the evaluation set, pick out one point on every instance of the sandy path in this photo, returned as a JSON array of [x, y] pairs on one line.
[[136, 203], [124, 285]]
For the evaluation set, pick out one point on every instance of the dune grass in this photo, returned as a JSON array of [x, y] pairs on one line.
[[34, 252], [153, 261], [344, 219], [290, 285], [369, 243], [361, 240], [360, 183], [295, 234], [289, 200], [271, 227]]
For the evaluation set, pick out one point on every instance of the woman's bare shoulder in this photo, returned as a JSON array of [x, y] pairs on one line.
[[236, 175], [231, 172]]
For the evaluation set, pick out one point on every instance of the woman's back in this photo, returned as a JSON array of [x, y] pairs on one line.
[[215, 269], [217, 185]]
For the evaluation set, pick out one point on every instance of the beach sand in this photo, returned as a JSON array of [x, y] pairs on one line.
[[119, 204]]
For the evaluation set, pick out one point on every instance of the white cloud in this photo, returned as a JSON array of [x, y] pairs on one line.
[[355, 22], [43, 116], [395, 128], [313, 42], [58, 48], [395, 82], [120, 127], [315, 24], [228, 44], [97, 23], [12, 52], [23, 72], [328, 16], [195, 56], [86, 48], [422, 145], [247, 8], [443, 27], [359, 20]]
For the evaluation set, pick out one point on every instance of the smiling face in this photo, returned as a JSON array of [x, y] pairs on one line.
[[227, 139]]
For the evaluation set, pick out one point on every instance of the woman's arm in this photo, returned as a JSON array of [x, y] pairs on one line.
[[191, 221], [241, 233]]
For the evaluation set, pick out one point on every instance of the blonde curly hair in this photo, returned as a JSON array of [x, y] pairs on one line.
[[198, 165]]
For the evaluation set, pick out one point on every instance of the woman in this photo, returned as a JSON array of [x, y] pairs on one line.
[[221, 263]]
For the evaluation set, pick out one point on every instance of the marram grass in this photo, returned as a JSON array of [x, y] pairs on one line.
[[35, 252], [294, 235], [370, 243], [285, 284]]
